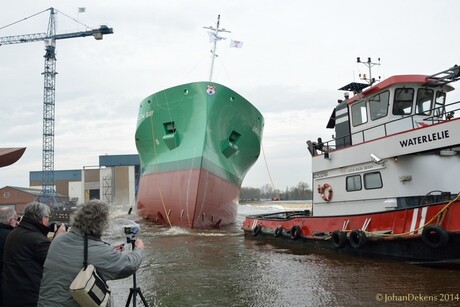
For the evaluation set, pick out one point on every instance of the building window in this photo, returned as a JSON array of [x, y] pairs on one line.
[[372, 181], [359, 113], [378, 105], [6, 195], [424, 101], [354, 183], [402, 104]]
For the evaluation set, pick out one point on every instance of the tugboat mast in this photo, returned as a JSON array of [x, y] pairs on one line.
[[369, 65], [214, 36]]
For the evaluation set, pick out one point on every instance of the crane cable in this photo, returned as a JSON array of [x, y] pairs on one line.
[[1, 28], [23, 19], [88, 27]]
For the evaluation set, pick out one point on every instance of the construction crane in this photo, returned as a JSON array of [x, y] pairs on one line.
[[48, 193]]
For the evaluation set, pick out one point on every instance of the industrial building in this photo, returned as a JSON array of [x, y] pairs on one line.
[[18, 197], [114, 180]]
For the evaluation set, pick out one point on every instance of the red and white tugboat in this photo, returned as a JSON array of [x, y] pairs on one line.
[[387, 184]]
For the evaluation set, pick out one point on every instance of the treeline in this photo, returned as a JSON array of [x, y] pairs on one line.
[[300, 192]]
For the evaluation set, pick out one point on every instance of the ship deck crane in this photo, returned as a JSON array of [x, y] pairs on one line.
[[48, 194]]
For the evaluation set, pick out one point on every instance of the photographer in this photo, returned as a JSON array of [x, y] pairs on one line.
[[8, 221], [25, 252], [65, 256]]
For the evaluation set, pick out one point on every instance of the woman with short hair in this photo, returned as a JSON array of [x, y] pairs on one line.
[[65, 256]]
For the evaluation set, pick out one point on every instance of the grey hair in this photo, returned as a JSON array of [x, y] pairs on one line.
[[6, 214], [36, 211], [92, 218]]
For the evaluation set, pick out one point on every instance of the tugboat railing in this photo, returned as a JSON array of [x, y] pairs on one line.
[[441, 114]]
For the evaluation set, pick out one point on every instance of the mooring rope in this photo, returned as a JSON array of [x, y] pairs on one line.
[[442, 211], [155, 158], [270, 176]]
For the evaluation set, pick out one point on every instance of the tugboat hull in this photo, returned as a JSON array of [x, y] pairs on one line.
[[407, 234]]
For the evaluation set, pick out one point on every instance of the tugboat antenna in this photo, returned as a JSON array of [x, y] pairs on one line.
[[369, 65], [214, 37]]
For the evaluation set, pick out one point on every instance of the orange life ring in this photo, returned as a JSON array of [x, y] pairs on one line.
[[326, 191]]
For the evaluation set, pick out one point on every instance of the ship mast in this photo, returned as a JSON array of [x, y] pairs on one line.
[[214, 37], [369, 65]]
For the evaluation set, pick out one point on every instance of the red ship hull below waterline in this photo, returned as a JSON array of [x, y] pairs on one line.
[[9, 156], [188, 198]]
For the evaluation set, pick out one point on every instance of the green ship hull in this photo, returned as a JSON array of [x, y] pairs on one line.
[[196, 142]]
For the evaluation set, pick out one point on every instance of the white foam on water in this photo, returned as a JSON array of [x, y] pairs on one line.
[[178, 231], [116, 225]]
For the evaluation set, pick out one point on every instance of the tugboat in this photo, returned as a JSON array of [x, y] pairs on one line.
[[387, 184]]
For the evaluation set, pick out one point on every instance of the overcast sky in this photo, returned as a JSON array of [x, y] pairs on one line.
[[296, 54]]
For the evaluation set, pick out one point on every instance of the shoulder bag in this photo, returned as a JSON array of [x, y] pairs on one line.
[[89, 288]]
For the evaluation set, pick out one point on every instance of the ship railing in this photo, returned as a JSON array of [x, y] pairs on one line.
[[406, 123], [284, 215]]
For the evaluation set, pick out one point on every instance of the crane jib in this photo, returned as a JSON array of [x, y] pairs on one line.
[[28, 38], [48, 194]]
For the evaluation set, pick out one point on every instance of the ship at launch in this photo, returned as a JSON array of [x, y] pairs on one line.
[[196, 142]]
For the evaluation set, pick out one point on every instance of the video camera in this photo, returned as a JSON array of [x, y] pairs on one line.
[[52, 225], [131, 231]]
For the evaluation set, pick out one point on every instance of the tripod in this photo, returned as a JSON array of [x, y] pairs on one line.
[[135, 289]]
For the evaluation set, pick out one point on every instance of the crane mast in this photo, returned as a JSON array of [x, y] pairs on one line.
[[48, 193]]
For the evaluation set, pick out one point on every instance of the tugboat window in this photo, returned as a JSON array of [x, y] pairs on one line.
[[378, 105], [372, 181], [354, 183], [402, 104], [439, 108], [359, 113], [424, 101]]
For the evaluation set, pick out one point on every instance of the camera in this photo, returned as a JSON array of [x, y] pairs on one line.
[[132, 230], [57, 224]]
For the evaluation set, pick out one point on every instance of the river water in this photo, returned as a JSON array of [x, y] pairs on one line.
[[223, 268]]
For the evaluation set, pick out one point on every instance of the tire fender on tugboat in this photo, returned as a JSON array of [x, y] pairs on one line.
[[278, 231], [357, 238], [435, 236], [339, 239], [296, 231], [326, 191], [256, 230]]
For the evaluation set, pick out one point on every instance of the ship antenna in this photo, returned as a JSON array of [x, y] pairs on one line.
[[369, 65], [214, 37]]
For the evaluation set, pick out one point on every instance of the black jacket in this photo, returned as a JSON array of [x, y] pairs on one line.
[[25, 252], [4, 231]]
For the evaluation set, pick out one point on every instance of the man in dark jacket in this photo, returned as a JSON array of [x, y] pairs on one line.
[[25, 252], [8, 220]]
